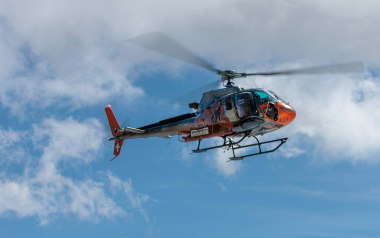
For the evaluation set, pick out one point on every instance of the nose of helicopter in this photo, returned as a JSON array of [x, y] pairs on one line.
[[286, 114]]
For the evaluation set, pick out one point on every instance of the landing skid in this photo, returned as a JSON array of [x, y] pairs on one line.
[[235, 145]]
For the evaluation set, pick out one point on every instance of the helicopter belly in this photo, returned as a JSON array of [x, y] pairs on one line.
[[248, 125]]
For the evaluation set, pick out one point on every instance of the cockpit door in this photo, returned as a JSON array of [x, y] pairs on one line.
[[245, 105], [229, 108]]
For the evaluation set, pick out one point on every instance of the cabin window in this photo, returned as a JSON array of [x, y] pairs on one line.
[[245, 105], [228, 104]]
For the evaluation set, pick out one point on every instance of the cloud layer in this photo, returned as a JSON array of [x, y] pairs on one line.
[[336, 115], [42, 189], [55, 53], [53, 56]]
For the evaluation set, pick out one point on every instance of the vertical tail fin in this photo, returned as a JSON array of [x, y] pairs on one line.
[[114, 125], [115, 129]]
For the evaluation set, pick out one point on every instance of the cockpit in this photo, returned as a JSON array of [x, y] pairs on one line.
[[248, 104], [268, 103]]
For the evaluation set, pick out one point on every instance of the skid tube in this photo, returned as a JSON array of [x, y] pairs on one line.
[[234, 145]]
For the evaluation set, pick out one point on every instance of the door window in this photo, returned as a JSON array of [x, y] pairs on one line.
[[245, 105]]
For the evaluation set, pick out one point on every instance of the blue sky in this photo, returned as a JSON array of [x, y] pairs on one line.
[[60, 66]]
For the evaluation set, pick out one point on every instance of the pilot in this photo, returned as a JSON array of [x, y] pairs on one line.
[[247, 109], [271, 111]]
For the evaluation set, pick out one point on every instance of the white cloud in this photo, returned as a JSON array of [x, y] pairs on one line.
[[77, 54], [51, 59], [68, 139], [34, 196], [336, 115], [10, 146], [46, 190], [53, 50], [136, 199], [220, 161]]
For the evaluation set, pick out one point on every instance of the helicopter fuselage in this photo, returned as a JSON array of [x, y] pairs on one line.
[[227, 112]]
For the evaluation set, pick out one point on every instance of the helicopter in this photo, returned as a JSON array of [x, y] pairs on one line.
[[233, 113]]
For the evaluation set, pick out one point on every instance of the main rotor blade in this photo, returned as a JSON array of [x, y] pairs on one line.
[[195, 94], [351, 67], [159, 42]]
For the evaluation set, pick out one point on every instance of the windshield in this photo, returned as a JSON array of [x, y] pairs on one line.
[[278, 97], [264, 97]]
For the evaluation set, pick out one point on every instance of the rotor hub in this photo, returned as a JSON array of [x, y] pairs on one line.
[[229, 75]]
